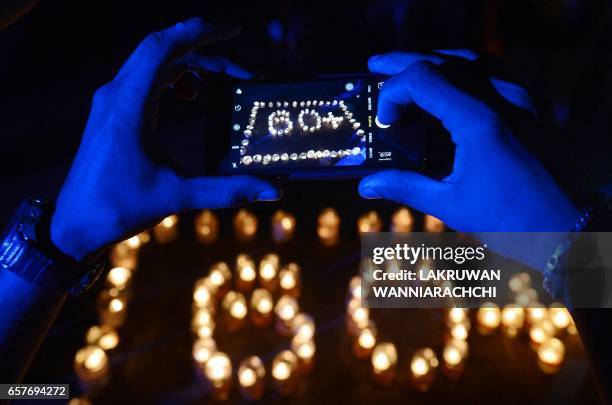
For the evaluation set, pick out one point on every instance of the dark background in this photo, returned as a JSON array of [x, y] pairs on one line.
[[53, 59]]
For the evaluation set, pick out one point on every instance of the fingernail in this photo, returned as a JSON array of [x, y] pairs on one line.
[[269, 195], [369, 193]]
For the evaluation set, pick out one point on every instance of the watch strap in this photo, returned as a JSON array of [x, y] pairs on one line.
[[21, 253]]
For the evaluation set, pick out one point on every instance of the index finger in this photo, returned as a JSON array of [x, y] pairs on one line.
[[394, 62], [422, 84], [159, 49]]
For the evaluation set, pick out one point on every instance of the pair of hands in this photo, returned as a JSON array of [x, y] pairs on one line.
[[114, 189]]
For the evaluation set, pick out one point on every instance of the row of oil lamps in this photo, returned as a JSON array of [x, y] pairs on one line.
[[260, 295], [283, 225], [125, 254], [92, 362], [542, 326]]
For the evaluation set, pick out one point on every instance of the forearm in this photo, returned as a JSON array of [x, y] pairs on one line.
[[26, 314]]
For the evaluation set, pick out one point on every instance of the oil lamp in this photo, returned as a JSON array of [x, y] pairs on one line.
[[251, 374], [218, 371], [384, 362], [245, 225], [402, 220], [286, 309], [91, 366], [262, 305], [283, 226], [285, 372], [167, 230], [328, 226], [207, 227]]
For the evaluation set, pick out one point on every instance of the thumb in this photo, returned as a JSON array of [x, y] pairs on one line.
[[414, 189]]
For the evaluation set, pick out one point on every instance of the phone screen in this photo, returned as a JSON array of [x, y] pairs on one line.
[[323, 126]]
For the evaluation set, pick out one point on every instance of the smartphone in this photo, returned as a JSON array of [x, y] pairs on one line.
[[323, 128]]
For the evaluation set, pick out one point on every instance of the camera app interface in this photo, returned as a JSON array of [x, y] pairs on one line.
[[310, 124]]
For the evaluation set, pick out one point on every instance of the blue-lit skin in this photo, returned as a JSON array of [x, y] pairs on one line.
[[114, 188], [496, 184]]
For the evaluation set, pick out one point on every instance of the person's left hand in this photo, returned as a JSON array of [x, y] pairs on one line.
[[115, 188]]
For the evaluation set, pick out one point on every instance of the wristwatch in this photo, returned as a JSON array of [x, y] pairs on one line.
[[27, 251]]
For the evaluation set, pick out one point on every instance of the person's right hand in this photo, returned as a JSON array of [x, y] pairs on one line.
[[115, 186], [496, 183]]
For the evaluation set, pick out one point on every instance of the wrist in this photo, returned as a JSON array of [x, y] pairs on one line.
[[69, 239], [27, 251]]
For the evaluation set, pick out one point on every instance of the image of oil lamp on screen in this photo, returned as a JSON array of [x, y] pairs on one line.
[[422, 369], [384, 363], [112, 308], [246, 273], [283, 226], [305, 350], [369, 222], [119, 278], [104, 336], [488, 318], [402, 220], [245, 225], [328, 226], [286, 309], [285, 373], [268, 272], [454, 356], [289, 280], [235, 311], [92, 367], [167, 230], [262, 307], [207, 227], [251, 374], [218, 372], [550, 355], [513, 318]]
